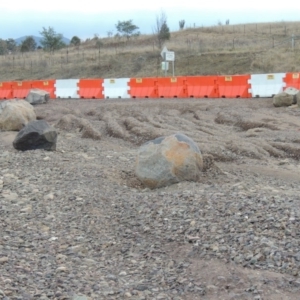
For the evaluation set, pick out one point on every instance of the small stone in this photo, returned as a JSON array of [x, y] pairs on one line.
[[3, 260], [127, 295], [123, 273], [62, 269]]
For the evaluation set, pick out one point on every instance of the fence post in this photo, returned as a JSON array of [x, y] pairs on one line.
[[293, 42]]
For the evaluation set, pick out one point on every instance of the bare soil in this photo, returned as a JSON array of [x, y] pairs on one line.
[[82, 223]]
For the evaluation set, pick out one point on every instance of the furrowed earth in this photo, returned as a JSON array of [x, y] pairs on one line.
[[76, 223]]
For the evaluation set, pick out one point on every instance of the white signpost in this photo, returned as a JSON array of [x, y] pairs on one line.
[[168, 56]]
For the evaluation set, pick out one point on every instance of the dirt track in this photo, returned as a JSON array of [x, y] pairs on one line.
[[232, 235]]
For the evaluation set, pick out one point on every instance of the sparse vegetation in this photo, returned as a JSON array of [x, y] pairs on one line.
[[228, 49], [29, 44], [75, 41], [181, 24], [51, 40], [161, 30], [127, 29]]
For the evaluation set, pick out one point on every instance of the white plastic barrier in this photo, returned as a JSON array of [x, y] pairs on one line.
[[116, 88], [266, 85], [67, 88]]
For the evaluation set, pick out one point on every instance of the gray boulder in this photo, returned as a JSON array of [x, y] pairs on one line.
[[37, 96], [292, 91], [168, 160], [283, 99], [15, 114], [36, 135], [298, 99]]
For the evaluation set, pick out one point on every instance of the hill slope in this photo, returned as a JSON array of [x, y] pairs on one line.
[[232, 49]]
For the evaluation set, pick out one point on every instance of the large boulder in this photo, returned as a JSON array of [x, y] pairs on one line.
[[37, 96], [283, 99], [168, 160], [36, 135], [15, 114], [293, 92], [298, 98]]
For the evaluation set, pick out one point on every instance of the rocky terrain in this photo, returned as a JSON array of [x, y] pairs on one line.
[[77, 224]]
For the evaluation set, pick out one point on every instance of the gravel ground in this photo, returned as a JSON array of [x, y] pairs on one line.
[[77, 224]]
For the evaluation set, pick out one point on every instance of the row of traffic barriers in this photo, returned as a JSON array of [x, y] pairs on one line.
[[235, 86]]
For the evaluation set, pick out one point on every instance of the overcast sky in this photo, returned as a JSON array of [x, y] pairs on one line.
[[88, 17]]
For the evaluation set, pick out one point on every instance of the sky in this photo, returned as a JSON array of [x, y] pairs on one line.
[[89, 17]]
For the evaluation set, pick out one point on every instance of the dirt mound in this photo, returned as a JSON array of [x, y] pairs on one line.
[[72, 123]]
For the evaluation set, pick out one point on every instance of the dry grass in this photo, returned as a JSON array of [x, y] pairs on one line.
[[230, 49]]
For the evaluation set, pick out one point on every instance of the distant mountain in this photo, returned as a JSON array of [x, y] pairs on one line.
[[38, 40]]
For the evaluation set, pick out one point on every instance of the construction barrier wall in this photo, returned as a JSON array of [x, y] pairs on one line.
[[202, 87], [20, 89], [67, 88], [46, 85], [6, 90], [292, 80], [236, 86], [266, 85], [172, 87], [143, 88], [91, 88], [230, 86], [116, 88]]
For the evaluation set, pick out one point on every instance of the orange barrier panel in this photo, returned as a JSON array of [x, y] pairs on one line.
[[171, 87], [45, 85], [91, 88], [202, 87], [20, 89], [292, 80], [6, 90], [236, 86], [143, 87]]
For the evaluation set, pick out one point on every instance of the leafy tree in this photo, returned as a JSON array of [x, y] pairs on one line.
[[3, 47], [29, 44], [161, 30], [181, 24], [11, 45], [127, 28], [51, 40], [75, 41]]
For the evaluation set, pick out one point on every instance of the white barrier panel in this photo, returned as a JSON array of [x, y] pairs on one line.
[[116, 88], [67, 88], [266, 85]]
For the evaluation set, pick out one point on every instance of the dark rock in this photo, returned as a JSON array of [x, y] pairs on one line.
[[36, 135]]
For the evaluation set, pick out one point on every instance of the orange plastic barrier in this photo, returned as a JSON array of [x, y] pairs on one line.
[[202, 87], [91, 88], [20, 89], [171, 87], [6, 90], [143, 87], [292, 80], [236, 86], [45, 85]]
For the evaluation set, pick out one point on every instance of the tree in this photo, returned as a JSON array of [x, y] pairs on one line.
[[11, 45], [51, 40], [127, 28], [181, 24], [75, 41], [161, 30], [3, 47], [29, 44]]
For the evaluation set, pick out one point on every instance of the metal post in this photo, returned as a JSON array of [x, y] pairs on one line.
[[165, 64], [293, 42], [173, 67]]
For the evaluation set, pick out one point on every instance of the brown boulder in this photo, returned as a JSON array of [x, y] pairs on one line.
[[15, 114], [167, 160]]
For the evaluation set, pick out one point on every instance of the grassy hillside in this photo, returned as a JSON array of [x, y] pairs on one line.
[[230, 49]]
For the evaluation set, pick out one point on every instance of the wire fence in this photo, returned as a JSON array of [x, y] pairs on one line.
[[116, 52]]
